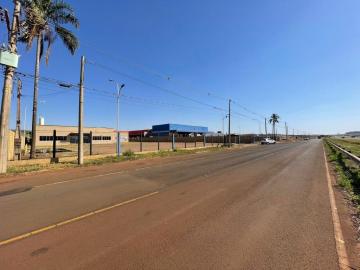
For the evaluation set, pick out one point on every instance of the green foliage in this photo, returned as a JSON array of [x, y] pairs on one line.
[[351, 145], [128, 153], [274, 118], [45, 20], [348, 175]]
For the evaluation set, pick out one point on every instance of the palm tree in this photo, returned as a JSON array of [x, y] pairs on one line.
[[274, 119], [44, 20]]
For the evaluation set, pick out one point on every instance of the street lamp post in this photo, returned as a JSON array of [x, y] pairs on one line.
[[119, 87], [223, 119]]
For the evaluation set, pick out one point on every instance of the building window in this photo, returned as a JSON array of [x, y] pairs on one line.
[[50, 138], [61, 138], [97, 138], [106, 138], [46, 138]]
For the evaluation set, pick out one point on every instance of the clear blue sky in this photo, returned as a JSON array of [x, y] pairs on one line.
[[299, 58]]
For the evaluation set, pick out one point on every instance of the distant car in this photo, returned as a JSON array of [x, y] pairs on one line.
[[268, 141]]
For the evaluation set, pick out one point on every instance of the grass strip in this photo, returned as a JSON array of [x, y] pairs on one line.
[[126, 156], [348, 172]]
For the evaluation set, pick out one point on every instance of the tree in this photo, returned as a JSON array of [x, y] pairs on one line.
[[274, 119], [44, 20]]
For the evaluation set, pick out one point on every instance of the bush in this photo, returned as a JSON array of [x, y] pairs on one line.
[[128, 153]]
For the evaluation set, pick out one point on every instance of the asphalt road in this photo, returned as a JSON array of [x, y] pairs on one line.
[[259, 208]]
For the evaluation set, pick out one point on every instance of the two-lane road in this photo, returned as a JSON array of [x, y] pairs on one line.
[[259, 208]]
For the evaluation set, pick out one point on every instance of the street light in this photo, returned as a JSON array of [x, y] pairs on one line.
[[119, 87], [226, 116]]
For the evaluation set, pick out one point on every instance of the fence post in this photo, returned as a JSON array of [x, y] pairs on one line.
[[185, 141], [54, 144], [140, 142], [204, 140], [54, 159], [173, 141], [91, 142], [195, 140], [158, 141]]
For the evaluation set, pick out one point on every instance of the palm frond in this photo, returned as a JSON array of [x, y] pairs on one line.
[[68, 38], [49, 38], [46, 18]]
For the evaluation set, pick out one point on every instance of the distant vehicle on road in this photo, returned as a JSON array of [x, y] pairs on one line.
[[268, 141]]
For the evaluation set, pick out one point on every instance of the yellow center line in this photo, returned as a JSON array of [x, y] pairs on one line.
[[62, 223]]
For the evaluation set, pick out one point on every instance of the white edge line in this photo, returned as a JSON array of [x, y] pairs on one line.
[[339, 238]]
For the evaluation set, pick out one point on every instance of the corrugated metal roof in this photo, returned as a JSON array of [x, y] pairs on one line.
[[179, 128]]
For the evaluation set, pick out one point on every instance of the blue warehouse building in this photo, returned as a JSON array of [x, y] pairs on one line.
[[184, 130]]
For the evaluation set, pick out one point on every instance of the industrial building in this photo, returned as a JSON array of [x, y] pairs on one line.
[[66, 135], [138, 133], [180, 130], [69, 135]]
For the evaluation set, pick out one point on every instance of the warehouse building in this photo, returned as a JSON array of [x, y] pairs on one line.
[[180, 130], [69, 135], [138, 133]]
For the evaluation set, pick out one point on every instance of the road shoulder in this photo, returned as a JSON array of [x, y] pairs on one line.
[[346, 211]]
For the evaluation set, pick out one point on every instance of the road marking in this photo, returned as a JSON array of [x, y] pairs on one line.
[[105, 174], [62, 223], [79, 179], [339, 238], [126, 171]]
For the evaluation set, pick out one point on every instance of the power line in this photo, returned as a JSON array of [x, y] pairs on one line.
[[73, 86], [155, 86], [121, 60]]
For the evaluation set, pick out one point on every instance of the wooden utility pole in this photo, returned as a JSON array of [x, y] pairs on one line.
[[229, 128], [266, 133], [18, 127], [7, 89], [81, 110]]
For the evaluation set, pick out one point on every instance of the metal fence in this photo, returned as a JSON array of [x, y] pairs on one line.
[[347, 153], [144, 144]]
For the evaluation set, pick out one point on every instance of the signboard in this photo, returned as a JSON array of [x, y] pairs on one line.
[[9, 59]]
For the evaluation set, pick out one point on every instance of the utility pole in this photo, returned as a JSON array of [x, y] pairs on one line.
[[7, 89], [286, 131], [18, 126], [266, 133], [229, 128], [81, 110], [24, 127]]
